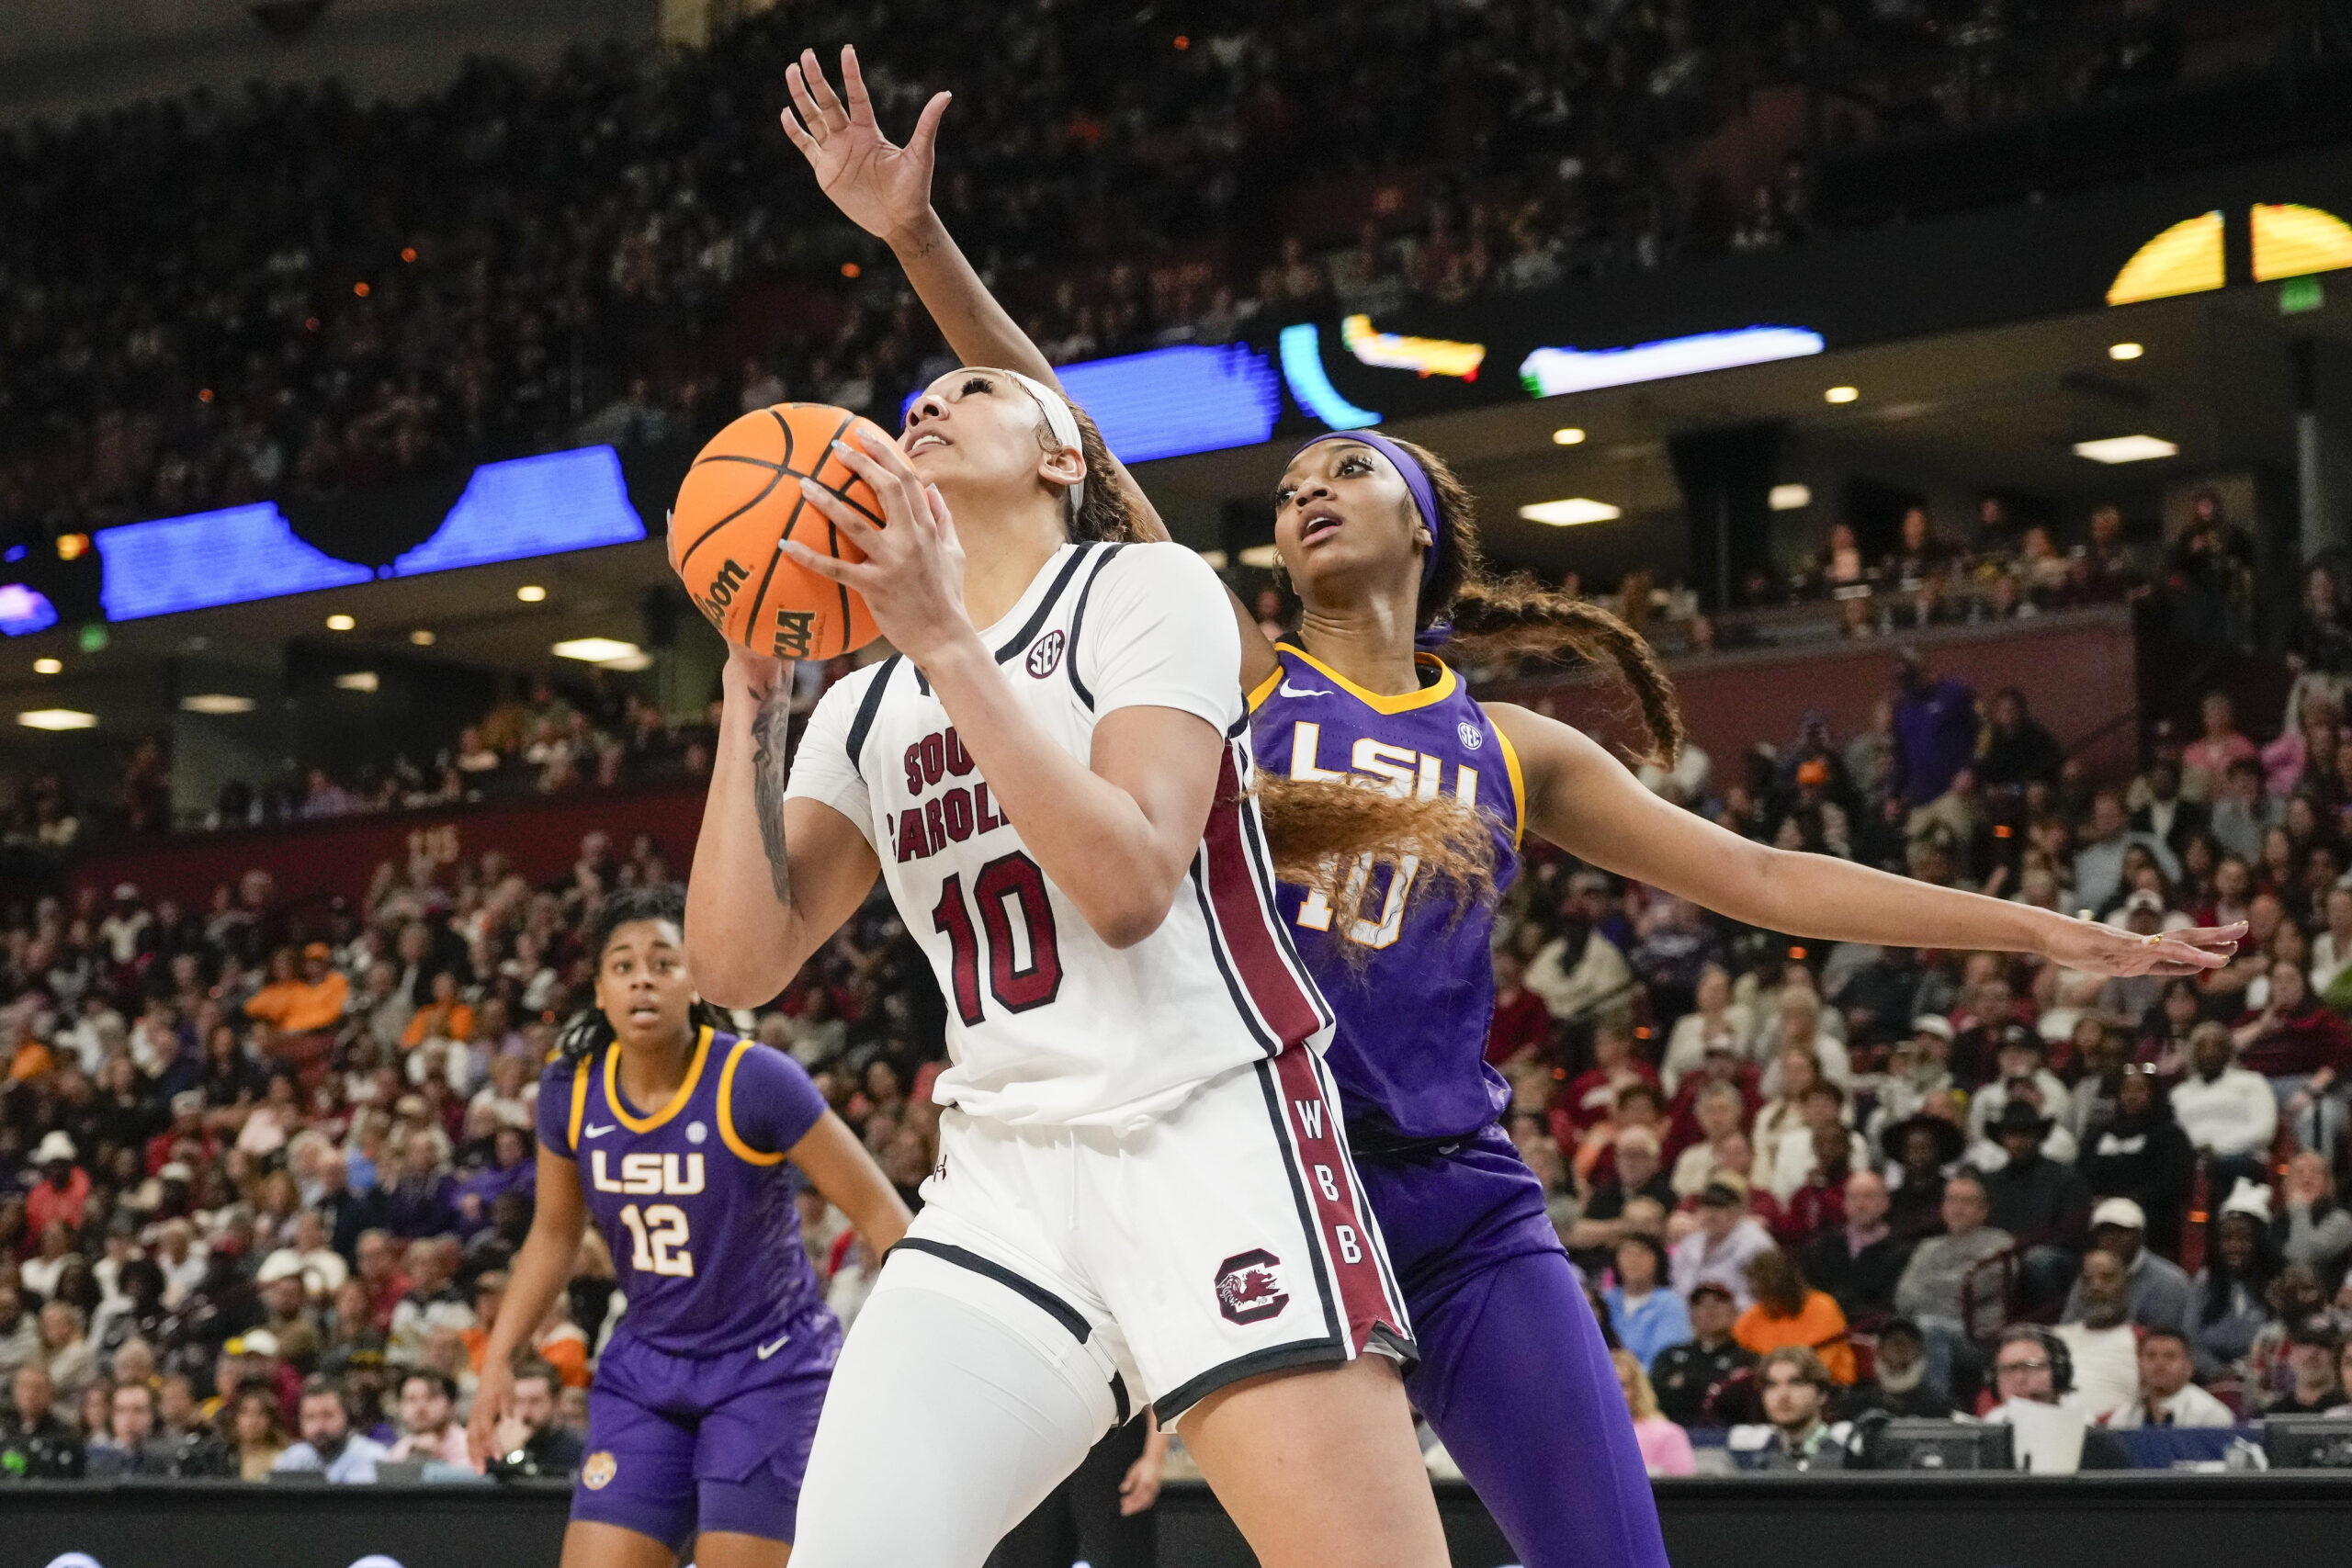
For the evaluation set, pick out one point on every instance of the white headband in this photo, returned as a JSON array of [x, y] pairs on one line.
[[1063, 422]]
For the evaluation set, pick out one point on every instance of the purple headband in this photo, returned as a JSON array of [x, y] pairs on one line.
[[1417, 481]]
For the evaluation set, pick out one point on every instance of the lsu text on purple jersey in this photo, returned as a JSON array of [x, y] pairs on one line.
[[1414, 996]]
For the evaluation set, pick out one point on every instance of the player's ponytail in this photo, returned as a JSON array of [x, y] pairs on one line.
[[1318, 830], [1477, 617]]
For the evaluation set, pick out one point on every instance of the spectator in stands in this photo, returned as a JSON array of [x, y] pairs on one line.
[[2100, 1339], [2044, 1205], [2107, 844], [2231, 1295], [305, 1002], [1945, 1287], [2031, 1367], [2018, 749], [257, 1432], [2022, 1076], [1666, 1447], [2316, 1229], [1796, 1389], [2210, 755], [1788, 1311], [1715, 1022], [1899, 1382], [20, 1342], [1920, 1149], [1644, 1311], [1935, 730], [530, 1440], [1860, 1261], [1726, 1240], [130, 1446], [2302, 1047], [428, 1425], [2229, 1112], [1689, 1377], [329, 1446], [2159, 1292], [1637, 1174], [1521, 1028], [2312, 1348], [2168, 1393], [2143, 1155], [35, 1443]]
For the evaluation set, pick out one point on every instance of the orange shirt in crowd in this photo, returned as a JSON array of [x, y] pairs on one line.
[[297, 1007], [433, 1021], [1820, 1328]]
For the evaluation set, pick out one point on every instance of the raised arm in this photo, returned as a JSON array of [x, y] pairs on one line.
[[772, 878], [885, 190], [1583, 799]]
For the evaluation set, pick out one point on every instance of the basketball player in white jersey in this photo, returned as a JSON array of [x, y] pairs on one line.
[[1143, 1194]]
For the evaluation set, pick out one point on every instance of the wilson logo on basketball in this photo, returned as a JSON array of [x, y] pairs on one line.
[[1249, 1287], [1045, 654]]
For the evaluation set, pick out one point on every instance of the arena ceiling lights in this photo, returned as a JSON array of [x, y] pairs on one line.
[[610, 653], [58, 718], [1569, 514], [2126, 449], [1556, 372], [220, 703]]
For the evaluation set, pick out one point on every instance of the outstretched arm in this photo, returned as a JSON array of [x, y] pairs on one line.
[[1583, 799], [885, 190]]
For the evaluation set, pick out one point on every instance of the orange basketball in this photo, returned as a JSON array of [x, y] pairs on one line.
[[741, 500]]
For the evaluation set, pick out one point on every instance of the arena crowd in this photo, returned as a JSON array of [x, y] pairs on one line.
[[216, 298], [264, 1165]]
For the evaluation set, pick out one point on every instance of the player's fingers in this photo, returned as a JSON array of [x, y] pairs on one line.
[[824, 566], [941, 519], [799, 137], [796, 81], [861, 106], [853, 523], [2171, 951], [878, 461], [924, 140], [828, 101]]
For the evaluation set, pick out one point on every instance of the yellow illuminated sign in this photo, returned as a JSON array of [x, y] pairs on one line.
[[2293, 241], [2183, 259], [1423, 355]]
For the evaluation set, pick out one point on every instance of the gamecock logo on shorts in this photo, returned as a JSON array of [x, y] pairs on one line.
[[598, 1471], [1045, 654], [1249, 1286]]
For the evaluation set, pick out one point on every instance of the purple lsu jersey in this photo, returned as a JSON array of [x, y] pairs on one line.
[[695, 1199], [1414, 986]]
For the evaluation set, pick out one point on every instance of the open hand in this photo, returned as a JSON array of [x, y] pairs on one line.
[[880, 187], [912, 577], [2101, 949]]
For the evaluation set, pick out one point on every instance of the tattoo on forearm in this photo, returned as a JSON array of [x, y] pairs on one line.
[[771, 726]]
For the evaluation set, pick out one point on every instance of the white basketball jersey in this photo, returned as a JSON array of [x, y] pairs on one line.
[[1047, 1022]]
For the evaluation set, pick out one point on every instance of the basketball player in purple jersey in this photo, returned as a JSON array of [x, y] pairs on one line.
[[706, 1400], [1377, 539]]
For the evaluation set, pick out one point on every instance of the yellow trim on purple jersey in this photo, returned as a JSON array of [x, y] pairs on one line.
[[727, 1134], [579, 1104], [1518, 782], [1403, 702], [1266, 688], [677, 1101]]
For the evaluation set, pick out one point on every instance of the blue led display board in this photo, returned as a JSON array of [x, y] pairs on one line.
[[210, 558], [1172, 402], [531, 506], [514, 509]]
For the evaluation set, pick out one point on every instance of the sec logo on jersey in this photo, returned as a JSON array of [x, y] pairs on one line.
[[1469, 735], [1249, 1287], [598, 1470], [1045, 654]]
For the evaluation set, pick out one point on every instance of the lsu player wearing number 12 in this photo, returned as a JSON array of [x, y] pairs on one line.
[[683, 1145]]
